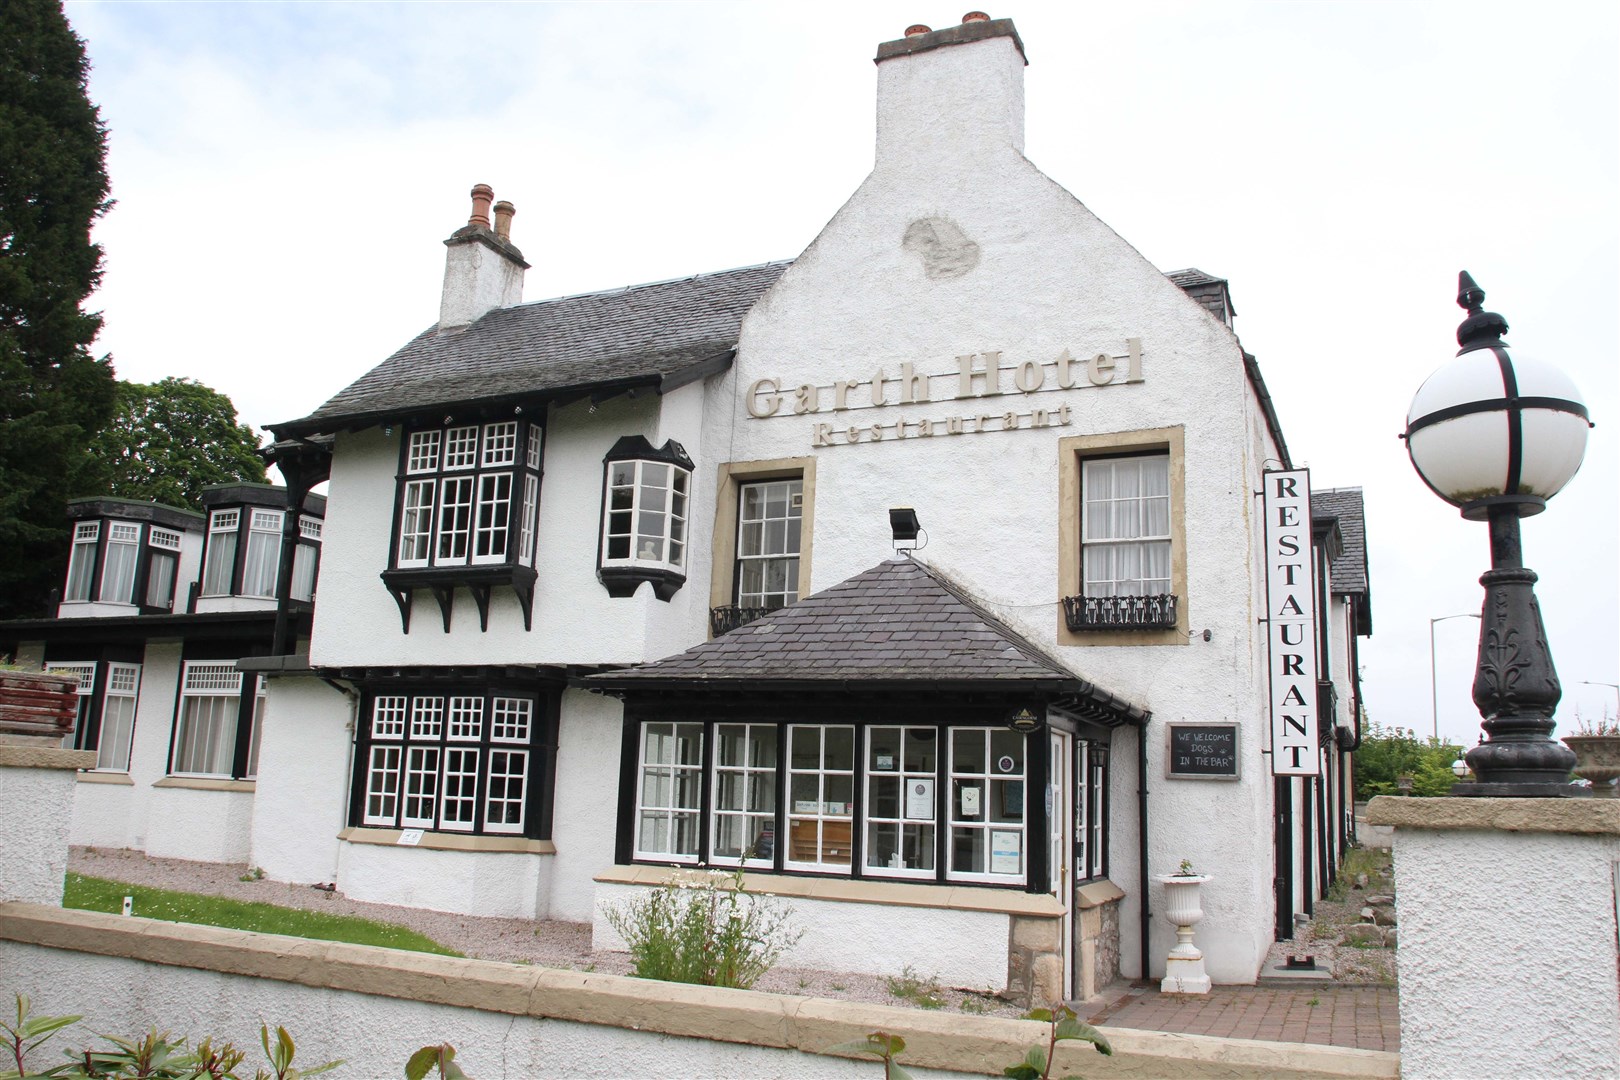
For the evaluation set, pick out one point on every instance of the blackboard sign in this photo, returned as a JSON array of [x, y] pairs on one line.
[[1203, 752]]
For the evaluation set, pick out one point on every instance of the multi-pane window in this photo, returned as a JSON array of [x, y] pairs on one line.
[[449, 762], [1125, 525], [744, 818], [669, 793], [987, 804], [1091, 810], [82, 566], [463, 490], [163, 553], [118, 717], [262, 561], [86, 674], [646, 520], [902, 766], [118, 563], [769, 529], [918, 801], [212, 720], [220, 563], [306, 558], [821, 796]]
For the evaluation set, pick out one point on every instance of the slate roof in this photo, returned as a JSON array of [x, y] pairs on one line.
[[662, 334], [900, 622], [1348, 573]]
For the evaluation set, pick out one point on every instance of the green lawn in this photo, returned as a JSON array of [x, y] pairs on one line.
[[99, 894]]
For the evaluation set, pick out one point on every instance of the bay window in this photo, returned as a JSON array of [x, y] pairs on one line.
[[82, 564], [118, 563], [219, 565], [467, 761], [105, 721], [162, 555], [306, 558], [262, 559], [918, 801], [465, 514], [644, 515]]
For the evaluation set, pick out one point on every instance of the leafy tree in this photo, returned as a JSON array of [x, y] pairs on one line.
[[1386, 753], [54, 396], [171, 439]]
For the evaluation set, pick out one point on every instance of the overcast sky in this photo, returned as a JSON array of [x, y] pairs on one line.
[[285, 174]]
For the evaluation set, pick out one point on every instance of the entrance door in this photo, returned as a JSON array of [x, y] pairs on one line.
[[1060, 817]]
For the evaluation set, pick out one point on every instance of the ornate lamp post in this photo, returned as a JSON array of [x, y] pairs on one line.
[[1497, 437]]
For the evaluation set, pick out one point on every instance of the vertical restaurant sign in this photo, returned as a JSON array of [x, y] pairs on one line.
[[1291, 623]]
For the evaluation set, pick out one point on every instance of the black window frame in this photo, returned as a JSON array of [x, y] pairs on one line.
[[944, 718], [516, 568], [541, 748], [623, 576]]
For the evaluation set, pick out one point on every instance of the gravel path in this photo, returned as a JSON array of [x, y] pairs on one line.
[[516, 941]]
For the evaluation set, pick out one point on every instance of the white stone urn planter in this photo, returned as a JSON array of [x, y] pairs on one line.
[[1597, 758], [1184, 966]]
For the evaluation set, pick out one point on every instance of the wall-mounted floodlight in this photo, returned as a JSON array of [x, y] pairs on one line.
[[903, 524]]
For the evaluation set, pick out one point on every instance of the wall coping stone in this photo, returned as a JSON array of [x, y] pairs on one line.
[[434, 841], [847, 890], [1097, 893], [980, 1045], [45, 757], [1589, 817]]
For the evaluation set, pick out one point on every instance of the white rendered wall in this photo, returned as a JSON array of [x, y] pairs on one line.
[[208, 826], [575, 620], [34, 847], [960, 948], [1507, 953], [583, 827], [497, 884], [1049, 276], [304, 754], [375, 1035], [117, 815], [476, 279]]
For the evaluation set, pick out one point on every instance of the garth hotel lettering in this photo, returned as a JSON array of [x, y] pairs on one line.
[[976, 377]]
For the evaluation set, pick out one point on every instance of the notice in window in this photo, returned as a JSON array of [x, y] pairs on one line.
[[410, 837], [1006, 852], [920, 800], [970, 800]]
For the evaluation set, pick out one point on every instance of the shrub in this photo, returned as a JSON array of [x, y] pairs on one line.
[[705, 929], [1386, 753]]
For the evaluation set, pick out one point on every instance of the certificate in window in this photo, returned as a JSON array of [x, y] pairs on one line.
[[1006, 851], [920, 800], [970, 800]]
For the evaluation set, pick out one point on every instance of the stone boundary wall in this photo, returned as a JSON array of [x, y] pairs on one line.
[[375, 1006]]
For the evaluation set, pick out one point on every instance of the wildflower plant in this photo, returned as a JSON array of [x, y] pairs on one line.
[[704, 928]]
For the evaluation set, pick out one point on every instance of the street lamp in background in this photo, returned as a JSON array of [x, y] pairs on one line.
[[1434, 689], [1613, 686], [1497, 437]]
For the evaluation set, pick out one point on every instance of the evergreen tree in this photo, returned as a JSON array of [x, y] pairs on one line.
[[54, 395], [171, 439]]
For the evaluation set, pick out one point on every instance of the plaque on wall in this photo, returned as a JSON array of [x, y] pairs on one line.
[[1202, 752]]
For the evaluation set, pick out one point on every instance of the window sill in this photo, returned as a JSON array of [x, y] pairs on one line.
[[623, 581], [119, 778], [438, 841], [206, 783], [950, 897], [443, 581]]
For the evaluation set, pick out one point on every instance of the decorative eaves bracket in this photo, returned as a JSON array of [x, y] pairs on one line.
[[443, 581]]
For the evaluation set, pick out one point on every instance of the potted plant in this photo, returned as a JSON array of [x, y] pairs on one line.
[[1597, 753]]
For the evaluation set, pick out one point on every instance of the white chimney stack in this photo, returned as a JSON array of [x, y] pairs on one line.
[[949, 93], [482, 269]]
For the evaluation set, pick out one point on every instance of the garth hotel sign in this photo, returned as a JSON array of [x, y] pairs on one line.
[[1291, 623], [977, 377]]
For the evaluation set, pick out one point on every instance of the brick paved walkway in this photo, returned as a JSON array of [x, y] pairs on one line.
[[1360, 1016]]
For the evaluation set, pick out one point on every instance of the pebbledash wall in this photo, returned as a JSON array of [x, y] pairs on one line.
[[956, 339]]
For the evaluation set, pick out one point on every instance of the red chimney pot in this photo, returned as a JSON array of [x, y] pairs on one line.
[[975, 16], [917, 30], [482, 196]]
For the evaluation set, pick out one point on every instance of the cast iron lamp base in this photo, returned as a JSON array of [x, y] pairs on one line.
[[1515, 685]]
